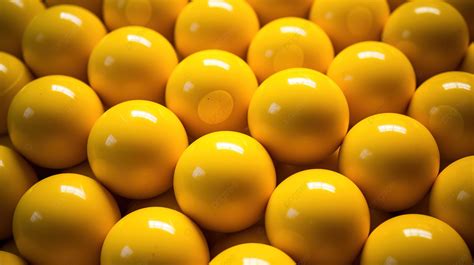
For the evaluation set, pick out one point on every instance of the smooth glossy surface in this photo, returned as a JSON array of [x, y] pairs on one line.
[[14, 17], [228, 25], [43, 131], [253, 234], [155, 235], [7, 258], [452, 197], [350, 21], [299, 115], [95, 6], [131, 63], [289, 43], [63, 219], [60, 40], [210, 91], [252, 253], [318, 217], [159, 15], [415, 239], [392, 158], [269, 10], [432, 34], [445, 105], [133, 148], [468, 61], [16, 177], [375, 78], [224, 180], [13, 76]]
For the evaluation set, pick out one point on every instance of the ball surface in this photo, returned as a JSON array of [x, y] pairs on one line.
[[11, 259], [252, 252]]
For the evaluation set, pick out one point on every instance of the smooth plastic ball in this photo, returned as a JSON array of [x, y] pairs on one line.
[[13, 76], [392, 158], [159, 15], [299, 115], [134, 147], [415, 239], [452, 197], [60, 40], [432, 34], [223, 181], [210, 91], [131, 63], [64, 219], [269, 10], [350, 21], [16, 177], [445, 105], [227, 25], [14, 17], [95, 6], [7, 258], [289, 43], [375, 78], [155, 235], [468, 62], [252, 253], [318, 216], [50, 119]]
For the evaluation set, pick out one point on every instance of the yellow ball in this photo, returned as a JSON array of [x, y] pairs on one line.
[[289, 43], [14, 17], [299, 115], [445, 105], [13, 76], [452, 197], [252, 253], [468, 62], [210, 91], [159, 15], [350, 21], [134, 147], [415, 239], [253, 234], [155, 235], [318, 216], [50, 119], [375, 78], [228, 25], [392, 158], [64, 219], [131, 63], [60, 41], [224, 180], [95, 6], [16, 177], [432, 34], [269, 10], [7, 258]]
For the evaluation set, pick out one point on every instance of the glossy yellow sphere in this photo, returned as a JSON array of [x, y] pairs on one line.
[[350, 21], [228, 25], [16, 177], [268, 10], [392, 158], [468, 62], [95, 6], [166, 200], [64, 219], [159, 15], [50, 119], [224, 180], [134, 147], [432, 34], [375, 78], [289, 43], [445, 105], [60, 41], [415, 239], [131, 63], [7, 258], [210, 91], [14, 17], [318, 216], [252, 253], [452, 197], [155, 235], [299, 115], [253, 234], [13, 76]]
